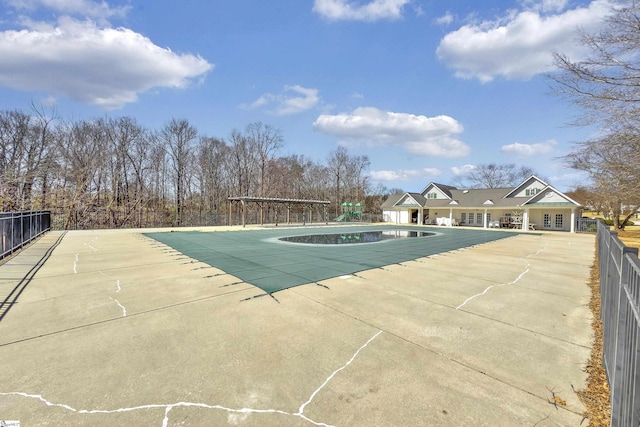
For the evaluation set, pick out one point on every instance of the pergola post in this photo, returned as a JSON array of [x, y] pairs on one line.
[[269, 201]]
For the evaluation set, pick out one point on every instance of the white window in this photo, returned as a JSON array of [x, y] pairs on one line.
[[470, 217], [463, 217], [559, 220], [479, 218], [547, 221], [488, 218]]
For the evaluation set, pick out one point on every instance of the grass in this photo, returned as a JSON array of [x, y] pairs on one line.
[[630, 236]]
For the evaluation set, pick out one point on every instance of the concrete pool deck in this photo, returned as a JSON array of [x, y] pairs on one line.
[[118, 329]]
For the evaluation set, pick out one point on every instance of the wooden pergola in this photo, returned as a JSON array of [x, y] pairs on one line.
[[262, 201]]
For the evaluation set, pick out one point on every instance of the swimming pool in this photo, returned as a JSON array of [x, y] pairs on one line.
[[262, 258], [355, 237]]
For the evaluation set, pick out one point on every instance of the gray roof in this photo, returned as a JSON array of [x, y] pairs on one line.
[[392, 200], [476, 198]]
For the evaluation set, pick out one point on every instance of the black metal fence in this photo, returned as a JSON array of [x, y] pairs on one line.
[[96, 220], [19, 228], [620, 312], [587, 225]]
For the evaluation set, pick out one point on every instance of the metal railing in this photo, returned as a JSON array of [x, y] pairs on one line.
[[19, 228], [587, 225], [620, 297]]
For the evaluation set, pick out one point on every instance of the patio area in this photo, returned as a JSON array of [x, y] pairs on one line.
[[116, 328]]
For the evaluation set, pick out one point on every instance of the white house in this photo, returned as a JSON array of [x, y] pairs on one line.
[[532, 205]]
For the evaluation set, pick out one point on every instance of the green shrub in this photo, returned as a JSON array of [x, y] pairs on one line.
[[609, 222]]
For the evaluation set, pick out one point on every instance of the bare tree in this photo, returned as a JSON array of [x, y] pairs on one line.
[[606, 86], [158, 192], [212, 158], [127, 165], [613, 165], [14, 137], [83, 154], [45, 136], [178, 137], [243, 161], [317, 181], [348, 173], [337, 163], [357, 177], [266, 141], [493, 175]]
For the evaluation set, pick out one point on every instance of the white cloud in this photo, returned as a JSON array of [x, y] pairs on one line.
[[462, 170], [285, 104], [445, 19], [374, 10], [519, 45], [86, 61], [421, 135], [85, 8], [545, 6], [527, 150], [101, 66], [403, 174], [296, 104]]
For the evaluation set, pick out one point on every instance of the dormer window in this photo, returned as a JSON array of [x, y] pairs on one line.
[[531, 192], [432, 195]]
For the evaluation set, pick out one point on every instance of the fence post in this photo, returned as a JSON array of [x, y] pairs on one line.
[[622, 344]]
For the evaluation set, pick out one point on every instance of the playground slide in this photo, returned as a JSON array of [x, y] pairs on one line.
[[340, 218]]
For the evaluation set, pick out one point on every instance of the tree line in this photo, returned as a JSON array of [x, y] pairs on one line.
[[115, 172]]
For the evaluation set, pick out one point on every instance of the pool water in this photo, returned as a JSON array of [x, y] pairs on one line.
[[355, 238]]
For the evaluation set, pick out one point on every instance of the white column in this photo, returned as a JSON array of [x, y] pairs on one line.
[[450, 217], [525, 220], [573, 220], [484, 218]]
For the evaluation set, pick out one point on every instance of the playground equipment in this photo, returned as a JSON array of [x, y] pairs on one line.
[[351, 212]]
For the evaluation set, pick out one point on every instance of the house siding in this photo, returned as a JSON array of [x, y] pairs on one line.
[[561, 211]]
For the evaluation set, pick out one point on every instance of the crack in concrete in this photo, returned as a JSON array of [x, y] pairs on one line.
[[124, 310], [170, 406], [513, 282], [118, 289]]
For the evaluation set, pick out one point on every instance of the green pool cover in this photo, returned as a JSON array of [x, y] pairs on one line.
[[259, 258]]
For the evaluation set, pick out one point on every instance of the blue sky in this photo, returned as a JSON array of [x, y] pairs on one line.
[[425, 88]]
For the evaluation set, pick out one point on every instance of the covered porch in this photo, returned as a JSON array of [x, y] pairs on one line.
[[528, 218]]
